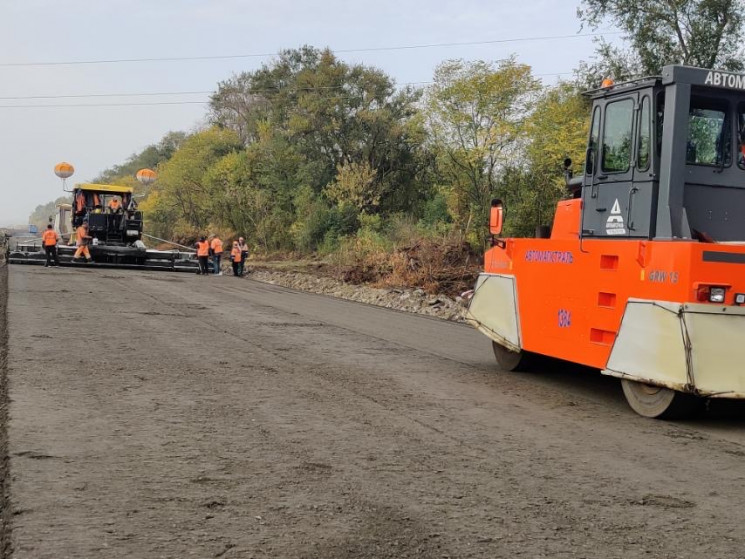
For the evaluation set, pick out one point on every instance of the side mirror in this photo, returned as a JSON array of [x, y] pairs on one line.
[[496, 217], [590, 162], [568, 174]]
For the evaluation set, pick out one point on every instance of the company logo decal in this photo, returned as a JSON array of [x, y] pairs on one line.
[[550, 256], [615, 224]]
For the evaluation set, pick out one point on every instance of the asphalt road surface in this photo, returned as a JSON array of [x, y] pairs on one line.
[[163, 415]]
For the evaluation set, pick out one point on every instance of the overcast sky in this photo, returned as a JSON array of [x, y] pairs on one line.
[[33, 138]]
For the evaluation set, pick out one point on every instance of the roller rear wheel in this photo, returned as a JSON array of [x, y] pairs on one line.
[[658, 402], [509, 360]]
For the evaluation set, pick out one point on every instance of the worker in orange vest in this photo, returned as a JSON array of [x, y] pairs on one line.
[[82, 240], [236, 257], [49, 239], [115, 205], [216, 249], [203, 255], [79, 203]]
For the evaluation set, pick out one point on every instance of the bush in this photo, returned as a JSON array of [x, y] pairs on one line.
[[435, 213], [320, 225], [330, 243]]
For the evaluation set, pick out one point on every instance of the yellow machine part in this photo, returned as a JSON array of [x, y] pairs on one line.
[[105, 188]]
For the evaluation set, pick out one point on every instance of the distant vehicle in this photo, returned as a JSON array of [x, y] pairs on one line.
[[643, 275], [117, 234]]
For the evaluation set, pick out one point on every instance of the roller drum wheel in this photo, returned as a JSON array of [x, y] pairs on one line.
[[509, 360], [660, 403]]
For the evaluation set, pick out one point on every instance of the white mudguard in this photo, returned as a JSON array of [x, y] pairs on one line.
[[493, 310], [696, 348]]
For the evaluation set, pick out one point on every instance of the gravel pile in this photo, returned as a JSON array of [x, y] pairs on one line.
[[403, 299]]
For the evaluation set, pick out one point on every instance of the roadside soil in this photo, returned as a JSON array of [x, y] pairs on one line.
[[5, 510], [318, 277], [171, 415]]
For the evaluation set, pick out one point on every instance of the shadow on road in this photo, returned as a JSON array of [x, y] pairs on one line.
[[586, 382]]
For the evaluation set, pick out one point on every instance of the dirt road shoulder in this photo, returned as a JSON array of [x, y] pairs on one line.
[[5, 514]]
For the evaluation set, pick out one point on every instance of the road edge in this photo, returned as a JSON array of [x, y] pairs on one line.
[[6, 514], [410, 300]]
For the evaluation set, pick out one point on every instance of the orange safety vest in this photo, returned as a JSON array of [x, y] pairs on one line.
[[79, 202], [80, 236], [236, 254], [49, 238], [216, 246], [203, 248]]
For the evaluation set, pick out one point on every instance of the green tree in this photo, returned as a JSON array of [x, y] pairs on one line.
[[182, 189], [249, 98], [162, 218], [355, 186], [253, 189], [335, 115], [705, 33], [477, 116], [556, 129]]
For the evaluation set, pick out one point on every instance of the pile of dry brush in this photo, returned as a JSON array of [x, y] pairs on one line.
[[435, 266]]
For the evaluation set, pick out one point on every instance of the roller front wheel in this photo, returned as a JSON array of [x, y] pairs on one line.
[[658, 402]]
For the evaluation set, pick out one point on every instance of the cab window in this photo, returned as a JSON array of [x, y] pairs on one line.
[[645, 135], [709, 138], [660, 121], [741, 136], [594, 142], [617, 136]]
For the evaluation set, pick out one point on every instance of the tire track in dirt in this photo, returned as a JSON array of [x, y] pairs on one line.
[[5, 510]]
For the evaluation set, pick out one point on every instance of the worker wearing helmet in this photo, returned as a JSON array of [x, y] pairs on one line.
[[49, 239], [203, 255], [115, 205], [82, 240], [217, 249]]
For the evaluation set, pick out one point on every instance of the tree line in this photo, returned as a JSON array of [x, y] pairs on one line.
[[308, 151]]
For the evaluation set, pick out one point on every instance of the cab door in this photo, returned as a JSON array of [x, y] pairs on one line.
[[608, 188], [643, 193]]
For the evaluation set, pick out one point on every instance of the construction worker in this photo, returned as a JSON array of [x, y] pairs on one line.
[[82, 240], [79, 203], [217, 249], [236, 257], [244, 254], [203, 255], [49, 239], [115, 205]]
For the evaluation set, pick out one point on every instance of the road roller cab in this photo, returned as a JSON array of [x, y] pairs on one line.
[[643, 275]]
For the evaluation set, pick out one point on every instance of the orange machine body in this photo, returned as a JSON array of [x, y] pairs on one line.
[[572, 293]]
